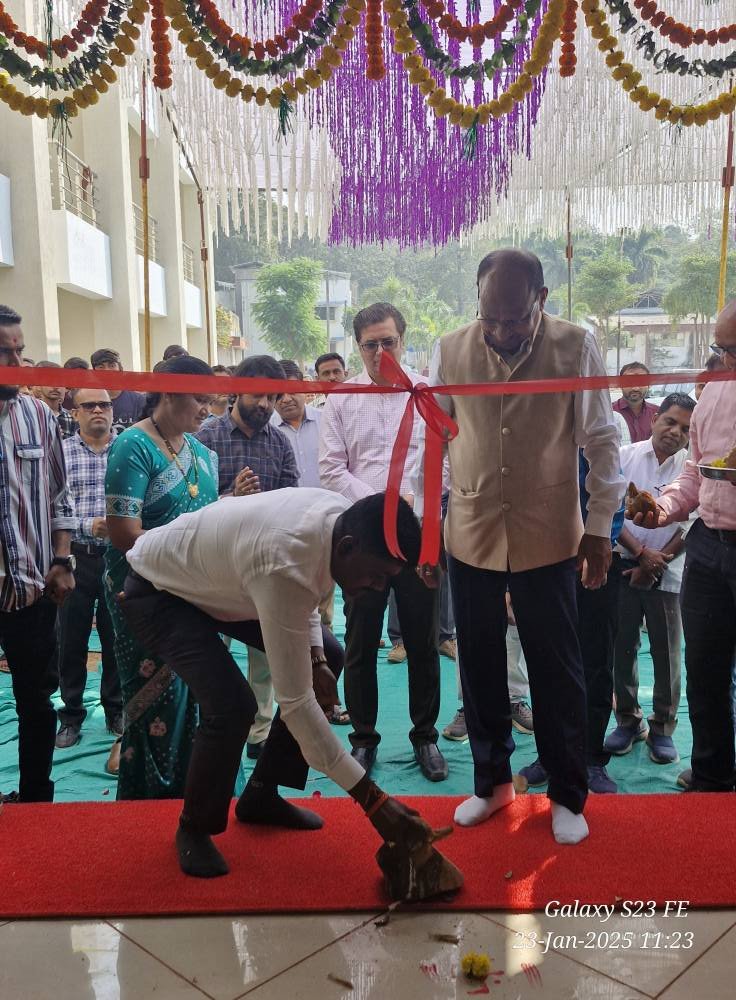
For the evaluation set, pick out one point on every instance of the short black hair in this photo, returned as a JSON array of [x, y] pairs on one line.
[[8, 316], [183, 365], [103, 355], [638, 366], [331, 357], [175, 351], [680, 399], [377, 313], [76, 363], [47, 364], [259, 366], [221, 370], [364, 522], [526, 261], [292, 369]]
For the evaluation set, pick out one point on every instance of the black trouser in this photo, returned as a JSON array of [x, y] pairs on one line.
[[417, 606], [29, 640], [75, 625], [708, 601], [189, 641], [597, 626], [546, 615]]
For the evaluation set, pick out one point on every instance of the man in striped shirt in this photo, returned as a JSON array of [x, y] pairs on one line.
[[36, 568]]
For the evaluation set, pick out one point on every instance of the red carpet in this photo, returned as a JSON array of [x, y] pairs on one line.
[[117, 859]]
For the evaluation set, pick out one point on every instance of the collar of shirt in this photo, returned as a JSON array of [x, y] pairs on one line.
[[79, 440], [309, 416], [365, 379]]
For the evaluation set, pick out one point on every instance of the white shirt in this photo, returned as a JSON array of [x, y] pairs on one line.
[[595, 432], [262, 558], [357, 437], [641, 466]]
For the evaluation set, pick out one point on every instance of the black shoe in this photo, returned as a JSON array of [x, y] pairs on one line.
[[115, 724], [68, 736], [430, 760], [366, 757], [253, 750]]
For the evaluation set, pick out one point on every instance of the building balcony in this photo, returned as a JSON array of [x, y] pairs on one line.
[[192, 293], [6, 227], [81, 248], [156, 273]]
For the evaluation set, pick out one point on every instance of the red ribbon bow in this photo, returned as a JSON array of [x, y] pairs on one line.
[[439, 428]]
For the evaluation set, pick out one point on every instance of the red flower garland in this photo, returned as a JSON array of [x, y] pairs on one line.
[[475, 33], [301, 22], [162, 75], [568, 59], [375, 62], [679, 33], [85, 27]]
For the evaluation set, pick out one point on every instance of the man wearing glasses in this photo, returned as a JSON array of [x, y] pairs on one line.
[[514, 522], [357, 437], [86, 461], [709, 579]]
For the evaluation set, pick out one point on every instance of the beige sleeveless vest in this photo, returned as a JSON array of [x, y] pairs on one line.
[[514, 500]]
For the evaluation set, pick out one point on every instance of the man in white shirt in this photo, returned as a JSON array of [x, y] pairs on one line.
[[650, 589], [255, 568], [356, 442]]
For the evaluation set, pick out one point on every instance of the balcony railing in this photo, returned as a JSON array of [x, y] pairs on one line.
[[188, 263], [73, 184], [152, 234]]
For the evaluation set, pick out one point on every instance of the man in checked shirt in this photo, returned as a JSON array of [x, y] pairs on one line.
[[36, 568], [86, 460]]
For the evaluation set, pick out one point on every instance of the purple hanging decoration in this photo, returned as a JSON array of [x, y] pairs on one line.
[[404, 175]]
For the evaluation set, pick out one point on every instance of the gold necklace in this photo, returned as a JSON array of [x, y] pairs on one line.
[[192, 488]]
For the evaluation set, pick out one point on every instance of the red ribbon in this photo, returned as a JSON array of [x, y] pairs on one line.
[[439, 428]]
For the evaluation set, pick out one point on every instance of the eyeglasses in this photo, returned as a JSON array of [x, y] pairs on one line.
[[100, 404], [720, 351], [371, 346], [510, 324]]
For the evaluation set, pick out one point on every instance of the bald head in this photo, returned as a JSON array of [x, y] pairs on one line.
[[725, 334], [511, 297]]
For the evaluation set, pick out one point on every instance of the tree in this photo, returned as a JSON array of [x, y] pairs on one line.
[[694, 293], [603, 284], [225, 326], [285, 308], [646, 252]]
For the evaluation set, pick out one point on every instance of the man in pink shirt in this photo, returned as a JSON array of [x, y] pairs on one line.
[[633, 406], [357, 436], [708, 596]]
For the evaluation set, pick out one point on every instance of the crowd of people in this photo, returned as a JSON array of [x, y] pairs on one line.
[[145, 516]]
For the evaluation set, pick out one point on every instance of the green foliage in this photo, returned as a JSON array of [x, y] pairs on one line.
[[285, 308], [603, 284], [225, 326], [693, 295]]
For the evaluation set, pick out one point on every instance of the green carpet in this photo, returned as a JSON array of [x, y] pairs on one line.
[[79, 772]]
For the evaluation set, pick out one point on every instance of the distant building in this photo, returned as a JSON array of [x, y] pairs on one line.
[[335, 296]]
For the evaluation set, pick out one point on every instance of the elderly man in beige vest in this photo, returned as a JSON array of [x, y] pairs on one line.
[[514, 521]]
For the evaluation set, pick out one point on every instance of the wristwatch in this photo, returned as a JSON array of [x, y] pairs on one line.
[[68, 562]]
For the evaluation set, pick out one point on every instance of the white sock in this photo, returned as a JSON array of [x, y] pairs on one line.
[[475, 810], [568, 827]]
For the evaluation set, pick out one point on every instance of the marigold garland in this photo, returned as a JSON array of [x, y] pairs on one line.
[[475, 33], [679, 33], [375, 63], [113, 35], [162, 73], [301, 23], [468, 115], [89, 19], [281, 97], [60, 110], [630, 79], [447, 65], [568, 59]]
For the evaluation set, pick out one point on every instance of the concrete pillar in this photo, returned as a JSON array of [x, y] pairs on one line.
[[105, 132]]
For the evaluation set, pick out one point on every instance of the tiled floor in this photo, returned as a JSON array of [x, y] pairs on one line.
[[415, 956]]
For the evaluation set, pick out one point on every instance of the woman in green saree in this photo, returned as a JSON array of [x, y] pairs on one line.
[[156, 471]]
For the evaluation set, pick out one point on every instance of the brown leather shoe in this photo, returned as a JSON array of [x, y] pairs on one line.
[[113, 761]]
